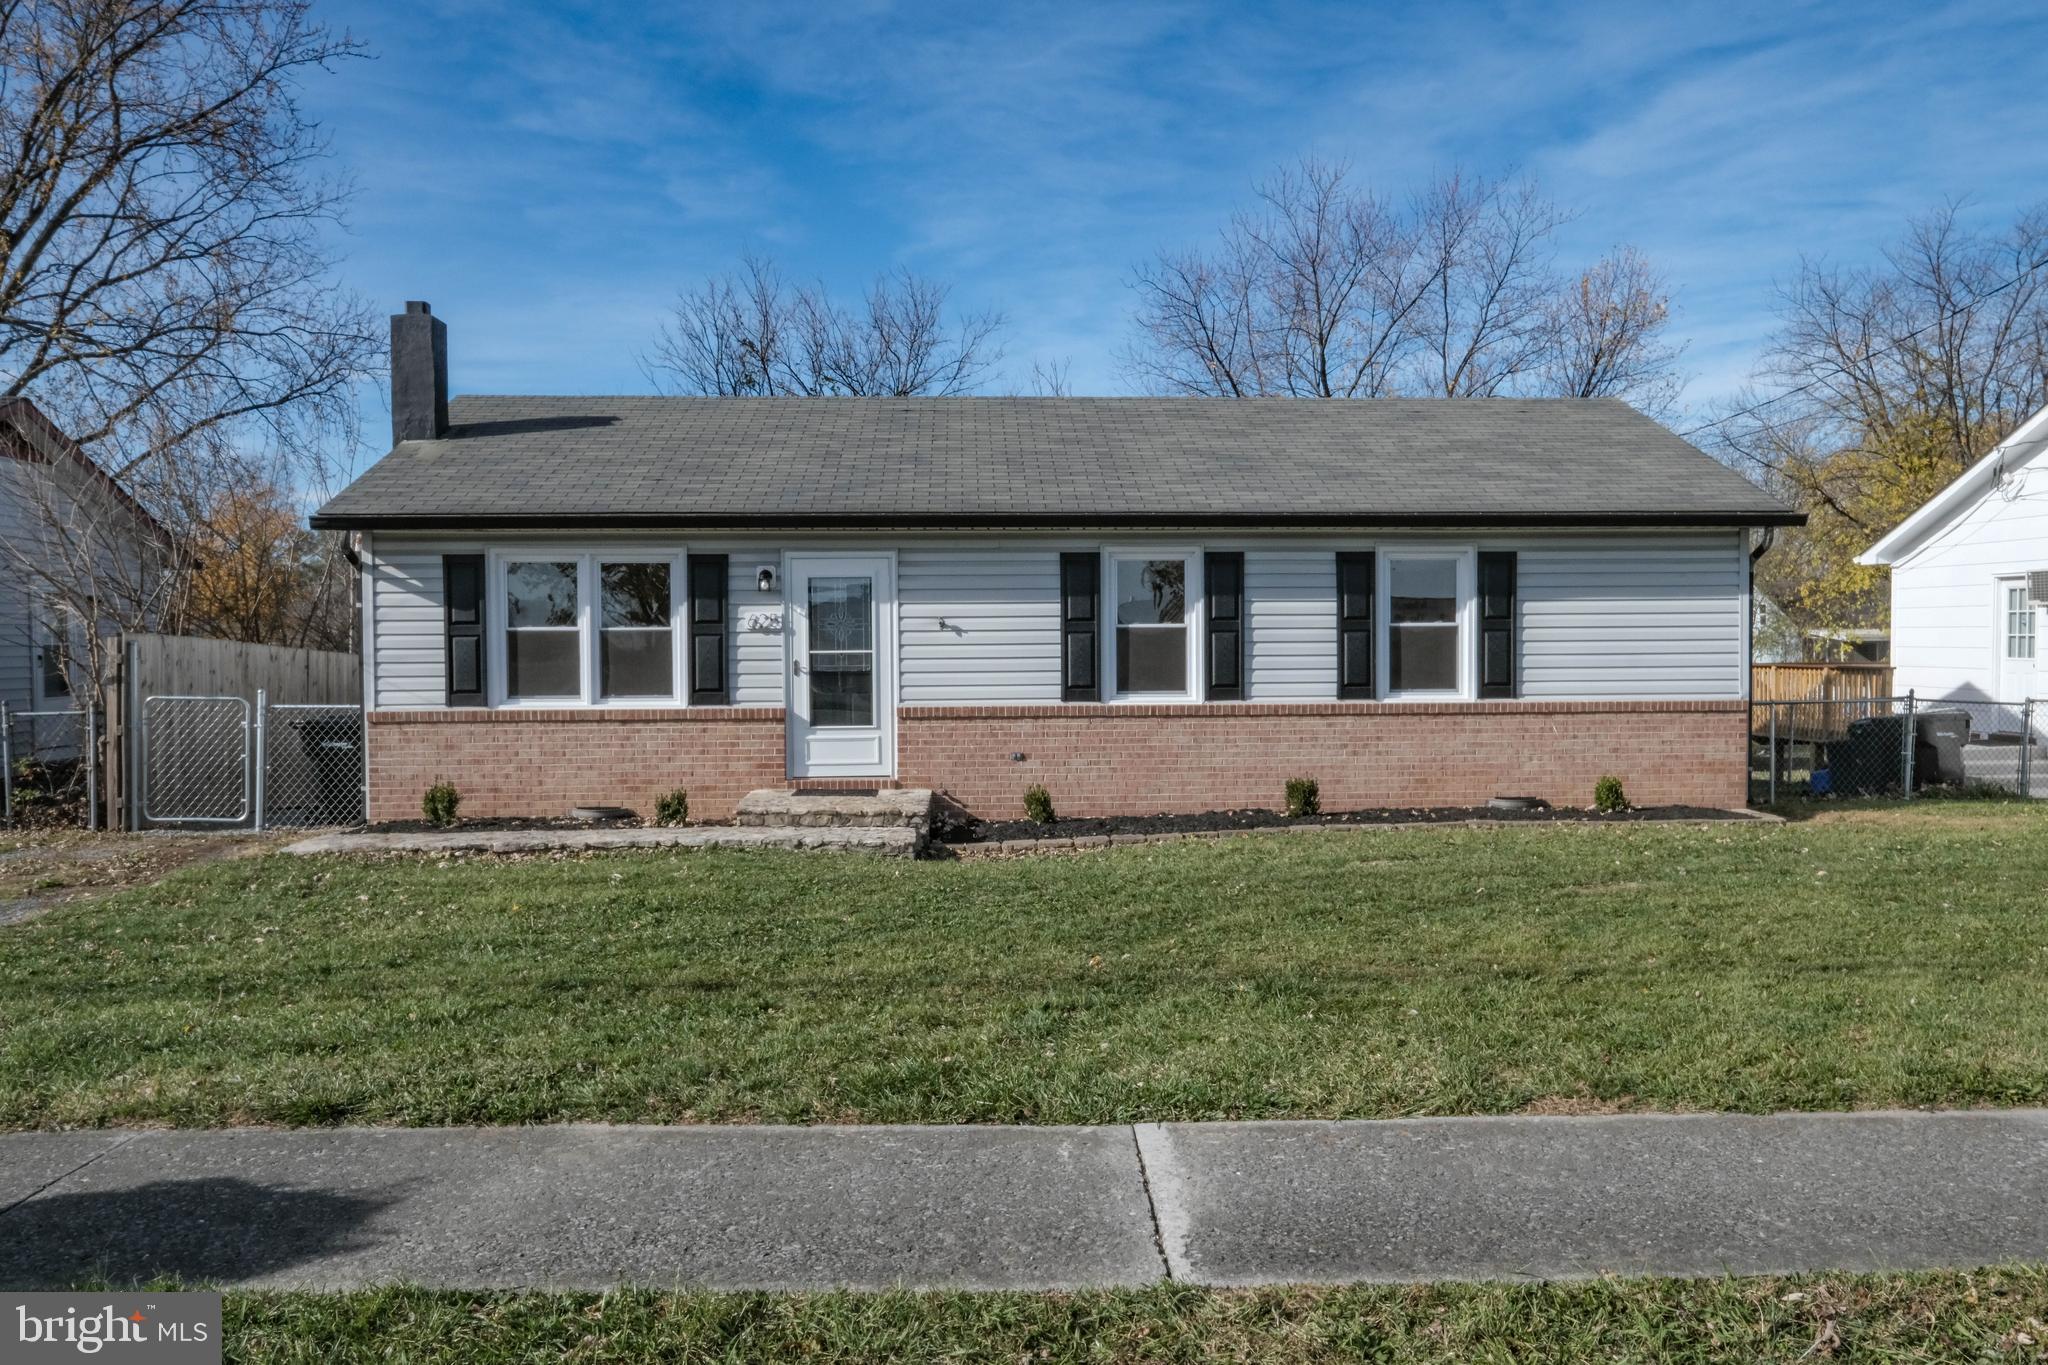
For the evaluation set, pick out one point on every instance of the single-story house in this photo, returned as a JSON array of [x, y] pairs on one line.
[[1143, 604], [1970, 580]]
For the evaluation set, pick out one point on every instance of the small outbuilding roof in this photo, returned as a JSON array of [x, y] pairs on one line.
[[936, 463]]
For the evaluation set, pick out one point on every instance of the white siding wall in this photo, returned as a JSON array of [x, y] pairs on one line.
[[1000, 641], [1946, 626], [1649, 618], [1291, 624]]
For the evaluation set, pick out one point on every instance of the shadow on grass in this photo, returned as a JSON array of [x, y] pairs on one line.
[[208, 1231]]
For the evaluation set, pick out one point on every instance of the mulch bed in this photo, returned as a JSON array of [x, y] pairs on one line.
[[991, 831]]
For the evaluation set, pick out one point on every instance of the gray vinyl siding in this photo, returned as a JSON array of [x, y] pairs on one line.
[[754, 652], [16, 647], [1000, 641], [1291, 624], [406, 606], [1641, 619]]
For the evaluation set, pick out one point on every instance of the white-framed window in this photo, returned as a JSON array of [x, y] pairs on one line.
[[1154, 609], [1425, 622], [586, 627], [2019, 622]]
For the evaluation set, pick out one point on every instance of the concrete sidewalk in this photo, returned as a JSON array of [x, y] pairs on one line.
[[1027, 1208]]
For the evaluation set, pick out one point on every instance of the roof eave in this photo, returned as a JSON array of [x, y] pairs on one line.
[[1193, 520], [1895, 544]]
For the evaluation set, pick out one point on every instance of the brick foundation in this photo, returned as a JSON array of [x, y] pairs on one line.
[[1099, 760], [544, 762], [1095, 760]]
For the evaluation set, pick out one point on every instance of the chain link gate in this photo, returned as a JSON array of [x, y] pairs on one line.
[[226, 761], [48, 772]]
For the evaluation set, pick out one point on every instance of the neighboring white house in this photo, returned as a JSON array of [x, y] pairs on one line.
[[73, 546], [1970, 579]]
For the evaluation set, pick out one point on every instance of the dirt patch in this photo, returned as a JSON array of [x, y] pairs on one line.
[[1575, 1106], [1209, 822], [43, 869]]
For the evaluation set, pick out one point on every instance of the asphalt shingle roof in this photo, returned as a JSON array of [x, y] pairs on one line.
[[970, 462]]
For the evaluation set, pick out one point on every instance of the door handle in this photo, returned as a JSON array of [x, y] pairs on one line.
[[796, 665]]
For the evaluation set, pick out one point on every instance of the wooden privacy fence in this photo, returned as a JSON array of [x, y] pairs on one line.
[[1849, 690], [181, 666]]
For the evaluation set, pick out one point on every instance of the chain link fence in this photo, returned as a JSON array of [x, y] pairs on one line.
[[195, 760], [313, 766], [47, 776], [1896, 747]]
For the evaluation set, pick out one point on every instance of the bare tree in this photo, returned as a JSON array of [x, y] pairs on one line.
[[1327, 290], [1604, 335], [1052, 378], [1312, 295], [1487, 248], [167, 299], [163, 271], [750, 333], [1882, 384]]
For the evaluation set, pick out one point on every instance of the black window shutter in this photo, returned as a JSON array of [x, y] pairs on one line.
[[462, 598], [1080, 624], [1496, 623], [1355, 586], [1223, 587], [707, 624]]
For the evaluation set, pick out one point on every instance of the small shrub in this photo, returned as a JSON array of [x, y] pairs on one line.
[[1304, 797], [440, 803], [1608, 797], [673, 808], [1038, 806]]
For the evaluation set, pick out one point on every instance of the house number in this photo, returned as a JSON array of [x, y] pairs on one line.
[[764, 620]]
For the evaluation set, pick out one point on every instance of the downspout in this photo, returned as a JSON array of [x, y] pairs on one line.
[[1763, 544]]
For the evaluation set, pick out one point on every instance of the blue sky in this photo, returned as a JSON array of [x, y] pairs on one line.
[[549, 175]]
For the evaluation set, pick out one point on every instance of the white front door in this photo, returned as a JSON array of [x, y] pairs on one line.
[[2017, 645], [842, 665]]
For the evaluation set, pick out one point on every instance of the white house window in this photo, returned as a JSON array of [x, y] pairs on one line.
[[541, 635], [1153, 644], [2019, 623], [1425, 637], [636, 632]]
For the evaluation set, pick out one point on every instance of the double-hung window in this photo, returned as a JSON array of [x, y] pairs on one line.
[[1423, 605], [1153, 644], [589, 628], [2019, 623]]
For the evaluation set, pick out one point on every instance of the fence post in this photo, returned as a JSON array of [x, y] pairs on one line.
[[1910, 744], [133, 751], [6, 766], [262, 754], [1774, 753], [2027, 747], [92, 768]]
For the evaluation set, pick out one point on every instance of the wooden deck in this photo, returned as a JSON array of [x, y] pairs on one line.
[[1847, 692]]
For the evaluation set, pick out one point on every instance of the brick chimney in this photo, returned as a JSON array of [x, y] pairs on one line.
[[419, 374]]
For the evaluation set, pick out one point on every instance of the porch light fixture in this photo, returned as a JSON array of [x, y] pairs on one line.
[[764, 578]]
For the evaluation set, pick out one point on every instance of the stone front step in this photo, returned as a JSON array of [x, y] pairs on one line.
[[780, 808]]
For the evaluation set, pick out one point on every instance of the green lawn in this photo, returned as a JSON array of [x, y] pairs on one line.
[[1987, 1315], [1865, 958]]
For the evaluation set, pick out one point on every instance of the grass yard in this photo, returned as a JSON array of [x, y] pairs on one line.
[[1856, 959], [1986, 1315]]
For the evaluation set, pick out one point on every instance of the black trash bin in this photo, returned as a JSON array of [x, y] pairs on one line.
[[1871, 760], [337, 764]]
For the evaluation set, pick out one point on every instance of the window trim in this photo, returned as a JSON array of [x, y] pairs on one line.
[[589, 632], [2008, 618], [1194, 621], [1466, 556]]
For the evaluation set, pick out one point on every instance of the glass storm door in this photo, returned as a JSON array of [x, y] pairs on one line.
[[842, 662]]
